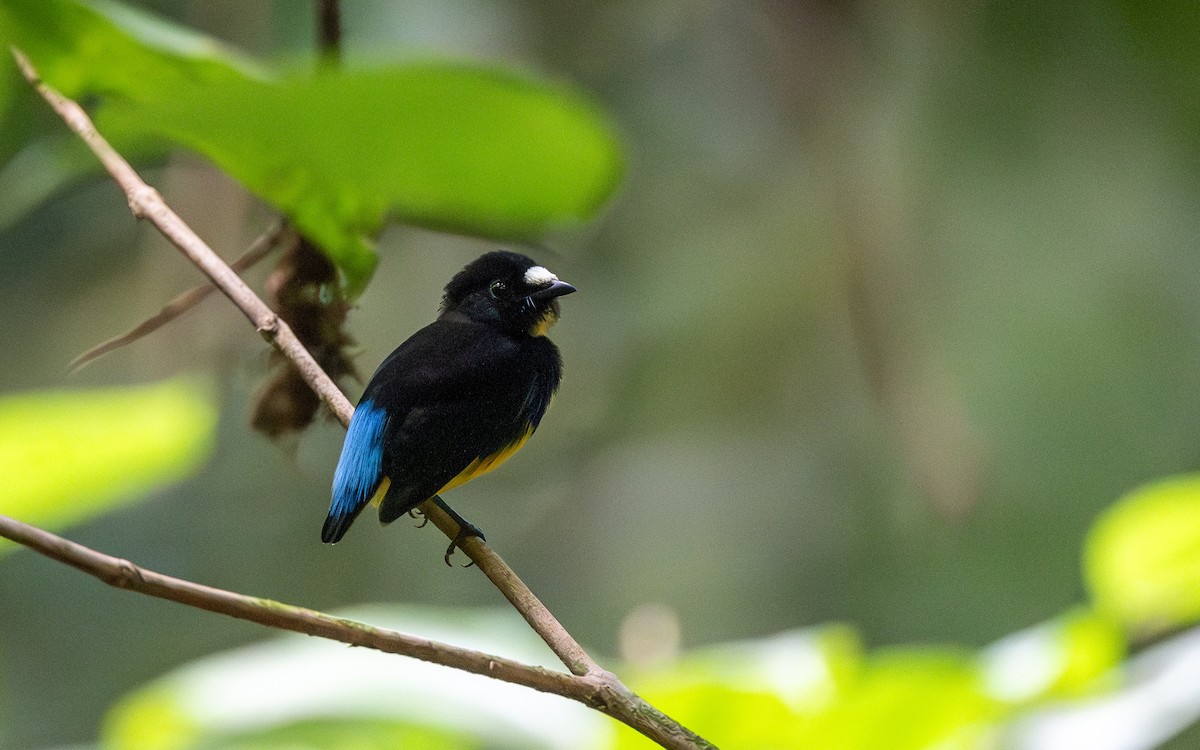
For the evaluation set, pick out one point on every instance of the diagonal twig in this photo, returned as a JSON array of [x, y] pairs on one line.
[[259, 249], [611, 696]]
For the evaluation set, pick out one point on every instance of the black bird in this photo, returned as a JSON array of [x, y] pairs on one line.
[[458, 398]]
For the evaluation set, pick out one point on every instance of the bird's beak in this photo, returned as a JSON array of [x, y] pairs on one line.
[[556, 289]]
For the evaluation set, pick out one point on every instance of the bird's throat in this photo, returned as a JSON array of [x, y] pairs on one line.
[[541, 326]]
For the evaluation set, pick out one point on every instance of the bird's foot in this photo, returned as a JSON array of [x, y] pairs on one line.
[[465, 529]]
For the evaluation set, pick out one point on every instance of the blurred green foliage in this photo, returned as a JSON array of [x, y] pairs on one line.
[[801, 690], [1143, 557], [67, 456], [898, 297], [816, 688], [447, 145]]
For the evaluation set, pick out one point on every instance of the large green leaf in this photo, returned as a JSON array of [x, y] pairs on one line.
[[442, 144], [119, 55], [1142, 559], [68, 455]]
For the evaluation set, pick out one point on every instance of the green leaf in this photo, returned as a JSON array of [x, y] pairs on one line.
[[88, 56], [129, 57], [69, 455], [1068, 657], [909, 699], [8, 88], [442, 145], [1093, 646], [154, 718], [758, 694], [1142, 557], [814, 689], [445, 145]]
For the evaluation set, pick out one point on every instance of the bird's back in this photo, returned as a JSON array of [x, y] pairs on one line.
[[462, 399]]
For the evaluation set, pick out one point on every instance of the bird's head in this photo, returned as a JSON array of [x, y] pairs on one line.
[[507, 290]]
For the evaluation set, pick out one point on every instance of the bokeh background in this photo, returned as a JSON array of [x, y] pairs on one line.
[[893, 300]]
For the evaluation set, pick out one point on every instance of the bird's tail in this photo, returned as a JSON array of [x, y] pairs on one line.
[[357, 479], [335, 527], [337, 523]]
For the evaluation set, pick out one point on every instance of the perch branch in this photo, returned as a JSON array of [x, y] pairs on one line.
[[610, 695]]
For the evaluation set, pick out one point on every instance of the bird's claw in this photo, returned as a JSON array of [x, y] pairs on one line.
[[416, 513], [465, 529]]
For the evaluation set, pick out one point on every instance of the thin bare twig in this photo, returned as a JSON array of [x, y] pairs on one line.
[[611, 695], [329, 31], [259, 249]]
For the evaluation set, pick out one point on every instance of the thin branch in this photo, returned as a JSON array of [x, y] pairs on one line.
[[611, 696], [146, 203], [123, 574], [518, 594], [259, 249], [329, 31]]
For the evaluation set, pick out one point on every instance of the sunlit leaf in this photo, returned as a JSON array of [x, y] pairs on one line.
[[293, 691], [69, 455], [1093, 645], [357, 734], [153, 719], [815, 689], [1064, 658], [1142, 559], [87, 55], [756, 694], [126, 56], [726, 715], [1156, 698], [446, 145], [910, 699]]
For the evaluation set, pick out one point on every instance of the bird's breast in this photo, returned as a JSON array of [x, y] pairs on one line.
[[484, 464]]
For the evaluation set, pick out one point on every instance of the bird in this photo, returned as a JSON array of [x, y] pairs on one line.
[[455, 400]]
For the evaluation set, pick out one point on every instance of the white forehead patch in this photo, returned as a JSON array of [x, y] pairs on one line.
[[538, 276]]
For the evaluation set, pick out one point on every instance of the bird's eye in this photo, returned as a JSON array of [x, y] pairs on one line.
[[498, 289]]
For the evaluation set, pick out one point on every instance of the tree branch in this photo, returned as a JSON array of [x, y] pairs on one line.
[[123, 574], [603, 692], [259, 249]]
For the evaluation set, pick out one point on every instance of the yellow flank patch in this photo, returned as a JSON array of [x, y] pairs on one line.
[[481, 466], [380, 491]]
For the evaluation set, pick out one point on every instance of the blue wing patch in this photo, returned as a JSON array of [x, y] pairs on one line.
[[359, 470]]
